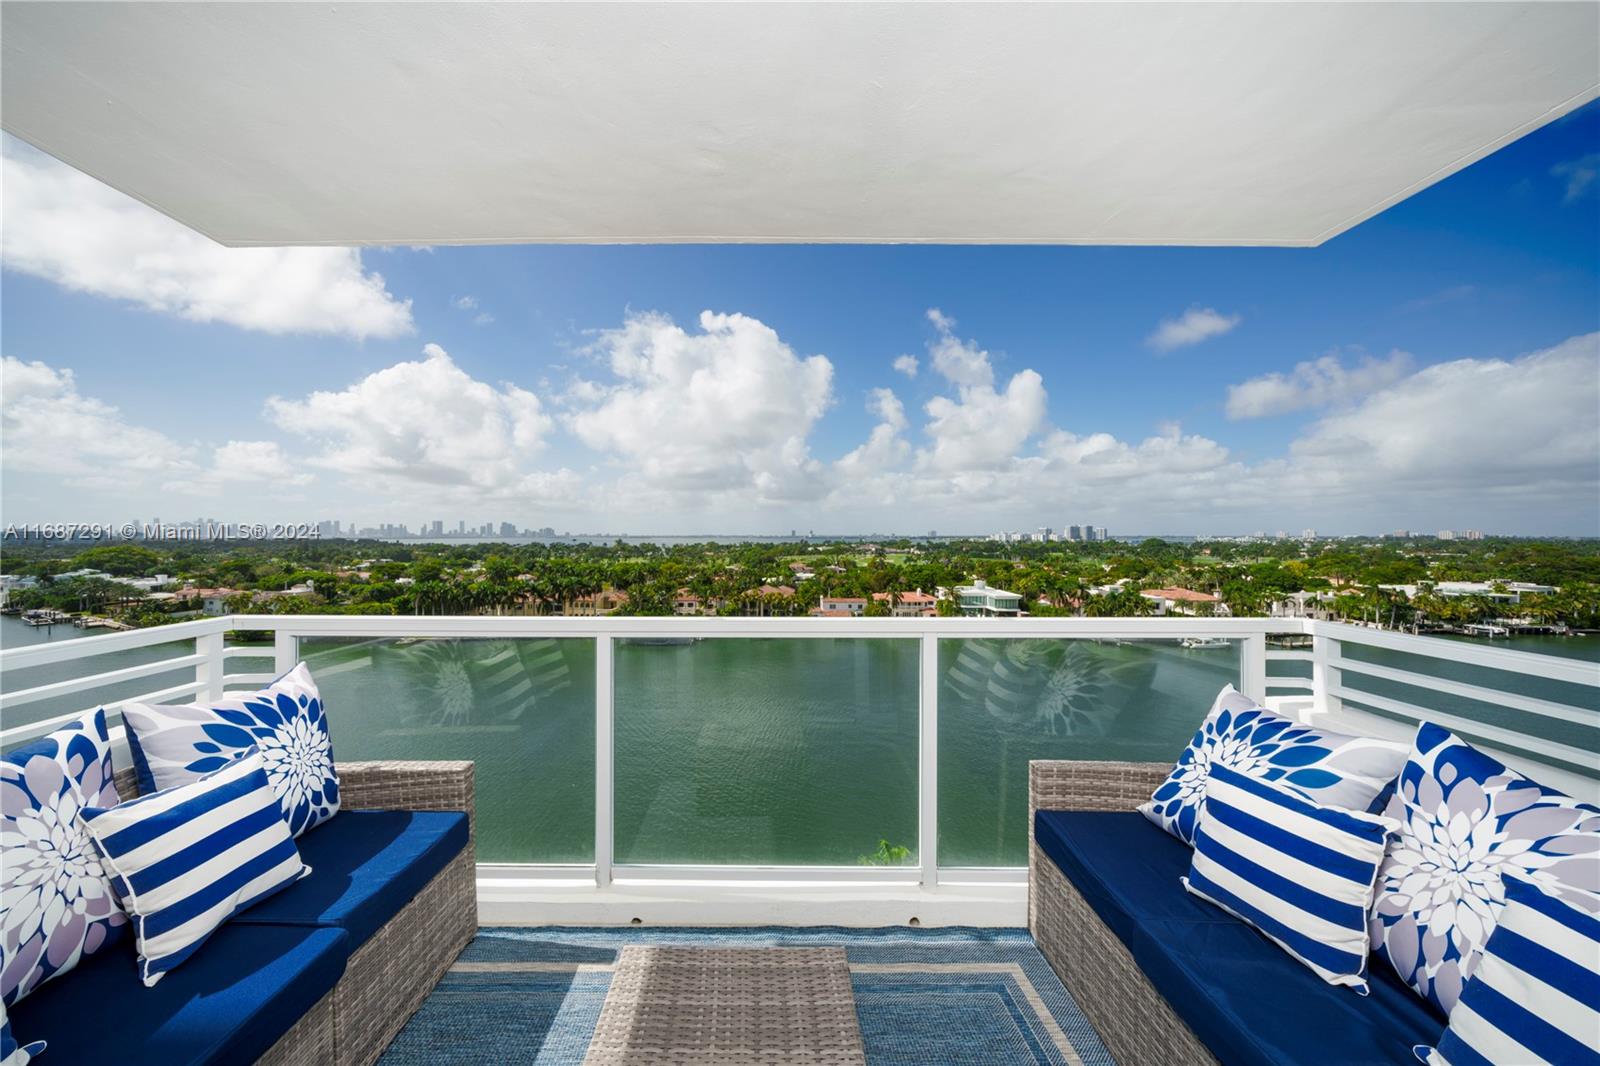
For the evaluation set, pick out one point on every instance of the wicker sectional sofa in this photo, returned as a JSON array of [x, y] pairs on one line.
[[327, 971], [1165, 977]]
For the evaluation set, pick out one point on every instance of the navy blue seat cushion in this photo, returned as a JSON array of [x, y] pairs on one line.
[[1248, 1000], [365, 867], [229, 1003]]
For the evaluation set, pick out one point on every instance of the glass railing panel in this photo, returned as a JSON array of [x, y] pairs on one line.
[[766, 752], [1003, 702], [523, 710]]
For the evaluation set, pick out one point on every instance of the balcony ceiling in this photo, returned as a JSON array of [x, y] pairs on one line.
[[385, 123]]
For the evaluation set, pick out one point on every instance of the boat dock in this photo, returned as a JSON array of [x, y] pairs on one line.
[[86, 622], [45, 616]]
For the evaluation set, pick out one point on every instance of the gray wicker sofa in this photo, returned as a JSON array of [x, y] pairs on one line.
[[1165, 977], [395, 904]]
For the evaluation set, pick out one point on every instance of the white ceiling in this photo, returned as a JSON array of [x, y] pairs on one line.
[[1194, 123]]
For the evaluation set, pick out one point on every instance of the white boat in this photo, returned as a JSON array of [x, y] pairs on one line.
[[1206, 642]]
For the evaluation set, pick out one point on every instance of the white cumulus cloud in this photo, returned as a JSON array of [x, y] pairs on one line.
[[885, 448], [957, 361], [47, 426], [1473, 428], [907, 365], [980, 426], [1323, 382], [67, 228], [425, 421], [728, 408], [1193, 326]]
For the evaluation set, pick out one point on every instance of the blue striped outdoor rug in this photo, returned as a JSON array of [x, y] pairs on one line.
[[925, 997]]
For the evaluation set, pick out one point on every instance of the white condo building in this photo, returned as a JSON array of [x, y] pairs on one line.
[[979, 599]]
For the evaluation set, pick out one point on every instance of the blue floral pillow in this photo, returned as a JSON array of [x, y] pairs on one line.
[[1466, 820], [12, 1054], [57, 904], [1329, 769], [284, 721]]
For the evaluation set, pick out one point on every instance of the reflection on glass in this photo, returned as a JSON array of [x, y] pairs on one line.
[[766, 752], [523, 710], [1004, 702]]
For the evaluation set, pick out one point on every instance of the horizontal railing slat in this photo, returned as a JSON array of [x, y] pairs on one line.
[[12, 700], [1543, 708], [248, 679], [32, 729], [1511, 738], [1549, 667], [59, 651], [490, 626]]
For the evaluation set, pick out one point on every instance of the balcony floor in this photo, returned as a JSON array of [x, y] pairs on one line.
[[925, 997]]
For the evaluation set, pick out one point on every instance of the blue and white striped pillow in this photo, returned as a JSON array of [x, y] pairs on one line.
[[1535, 993], [189, 858], [1302, 874]]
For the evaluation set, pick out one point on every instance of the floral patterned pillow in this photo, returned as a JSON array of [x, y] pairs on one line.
[[57, 905], [1329, 769], [285, 721], [1466, 820], [12, 1054]]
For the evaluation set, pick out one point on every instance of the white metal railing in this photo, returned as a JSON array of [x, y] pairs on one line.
[[1341, 691], [1334, 694]]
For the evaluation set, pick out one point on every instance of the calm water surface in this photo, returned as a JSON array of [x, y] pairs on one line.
[[769, 751]]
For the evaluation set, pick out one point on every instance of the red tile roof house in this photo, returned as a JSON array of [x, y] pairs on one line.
[[606, 601], [757, 600], [917, 604], [686, 602], [1183, 601], [840, 607]]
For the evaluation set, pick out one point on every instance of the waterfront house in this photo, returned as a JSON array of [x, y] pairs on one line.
[[1184, 601], [1496, 591], [687, 602], [914, 604], [606, 601], [979, 599], [840, 607], [213, 601]]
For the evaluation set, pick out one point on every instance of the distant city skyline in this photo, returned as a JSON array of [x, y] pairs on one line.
[[1436, 368], [157, 528]]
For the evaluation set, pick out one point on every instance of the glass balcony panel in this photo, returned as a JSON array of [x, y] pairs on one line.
[[766, 752], [1003, 702], [523, 710]]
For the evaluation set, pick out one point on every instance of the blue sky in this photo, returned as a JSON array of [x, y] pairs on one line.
[[1435, 367]]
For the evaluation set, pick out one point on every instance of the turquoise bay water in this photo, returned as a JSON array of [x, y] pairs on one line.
[[767, 751]]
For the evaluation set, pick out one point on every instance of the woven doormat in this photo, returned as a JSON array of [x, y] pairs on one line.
[[675, 1006]]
